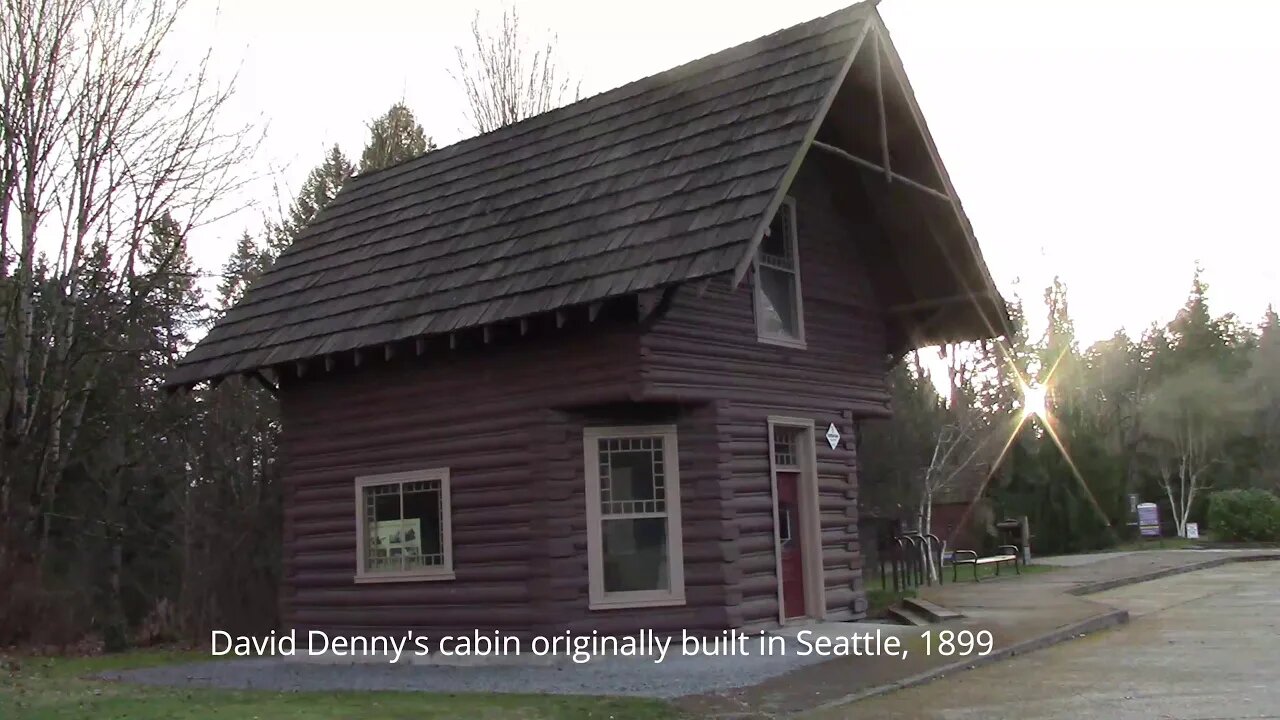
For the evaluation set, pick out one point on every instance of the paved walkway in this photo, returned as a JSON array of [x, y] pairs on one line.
[[1078, 560], [1021, 613], [1200, 645]]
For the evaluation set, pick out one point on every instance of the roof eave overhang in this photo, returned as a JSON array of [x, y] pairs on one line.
[[649, 305]]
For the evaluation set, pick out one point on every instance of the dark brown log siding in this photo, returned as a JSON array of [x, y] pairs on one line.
[[501, 420], [482, 415], [518, 495], [706, 347], [838, 507], [749, 500], [707, 552]]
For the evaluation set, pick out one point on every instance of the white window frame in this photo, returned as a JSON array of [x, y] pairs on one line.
[[599, 599], [439, 572], [775, 338]]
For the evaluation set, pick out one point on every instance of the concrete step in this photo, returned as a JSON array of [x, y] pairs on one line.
[[932, 611], [907, 616]]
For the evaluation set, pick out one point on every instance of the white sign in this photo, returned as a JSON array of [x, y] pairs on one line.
[[1193, 531], [833, 436]]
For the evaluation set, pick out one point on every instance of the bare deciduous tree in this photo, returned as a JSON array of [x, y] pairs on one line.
[[103, 140], [945, 464], [504, 81], [1188, 421]]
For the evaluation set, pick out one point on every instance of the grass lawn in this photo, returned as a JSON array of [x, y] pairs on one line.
[[55, 688]]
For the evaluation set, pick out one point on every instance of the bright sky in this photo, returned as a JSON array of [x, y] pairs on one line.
[[1112, 142]]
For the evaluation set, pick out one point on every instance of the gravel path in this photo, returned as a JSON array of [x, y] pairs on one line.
[[678, 675]]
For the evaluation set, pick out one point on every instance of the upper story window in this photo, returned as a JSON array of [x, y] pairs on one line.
[[403, 527], [779, 315]]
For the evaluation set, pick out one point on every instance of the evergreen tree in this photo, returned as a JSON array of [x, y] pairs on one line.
[[394, 138], [1194, 411], [1264, 388], [246, 263], [318, 190], [1199, 341], [232, 492], [1059, 471], [1005, 364], [1059, 353], [893, 452], [1114, 377]]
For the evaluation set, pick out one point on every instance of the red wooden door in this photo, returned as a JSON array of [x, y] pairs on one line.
[[792, 553]]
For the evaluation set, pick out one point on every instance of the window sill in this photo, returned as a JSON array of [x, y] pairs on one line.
[[781, 341], [623, 603], [361, 579]]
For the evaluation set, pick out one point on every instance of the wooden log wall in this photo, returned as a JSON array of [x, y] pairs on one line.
[[507, 421], [706, 348], [486, 417], [705, 548]]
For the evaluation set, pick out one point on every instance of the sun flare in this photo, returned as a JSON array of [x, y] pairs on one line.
[[1033, 400]]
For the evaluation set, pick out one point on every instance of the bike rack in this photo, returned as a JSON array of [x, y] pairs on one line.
[[922, 559], [936, 546], [900, 565], [910, 558]]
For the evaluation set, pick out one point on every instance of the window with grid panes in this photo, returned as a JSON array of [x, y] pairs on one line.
[[786, 447], [633, 516], [404, 529]]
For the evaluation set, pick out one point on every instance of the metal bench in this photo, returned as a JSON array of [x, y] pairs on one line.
[[1008, 553]]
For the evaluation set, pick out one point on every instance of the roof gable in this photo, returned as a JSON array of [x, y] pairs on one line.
[[665, 180]]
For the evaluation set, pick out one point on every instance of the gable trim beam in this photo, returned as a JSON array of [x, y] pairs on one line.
[[942, 301], [884, 121], [889, 174], [745, 262], [900, 74]]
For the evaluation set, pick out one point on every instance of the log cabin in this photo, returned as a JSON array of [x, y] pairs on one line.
[[603, 369]]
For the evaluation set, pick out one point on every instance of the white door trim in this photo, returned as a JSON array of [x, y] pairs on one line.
[[810, 524]]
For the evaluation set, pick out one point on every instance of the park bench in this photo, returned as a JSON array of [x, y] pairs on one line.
[[1007, 553]]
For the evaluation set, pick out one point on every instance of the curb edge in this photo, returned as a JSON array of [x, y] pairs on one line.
[[1093, 624]]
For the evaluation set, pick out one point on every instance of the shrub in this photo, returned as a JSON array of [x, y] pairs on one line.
[[1246, 515]]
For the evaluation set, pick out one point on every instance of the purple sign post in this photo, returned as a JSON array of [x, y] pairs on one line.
[[1148, 520]]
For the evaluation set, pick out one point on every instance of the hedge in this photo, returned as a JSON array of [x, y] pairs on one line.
[[1245, 515]]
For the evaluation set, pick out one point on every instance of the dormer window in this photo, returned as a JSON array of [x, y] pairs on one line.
[[779, 315]]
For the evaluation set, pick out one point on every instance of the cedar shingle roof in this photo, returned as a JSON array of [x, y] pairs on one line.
[[661, 181]]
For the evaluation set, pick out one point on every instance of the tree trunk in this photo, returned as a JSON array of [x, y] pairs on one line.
[[928, 528]]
